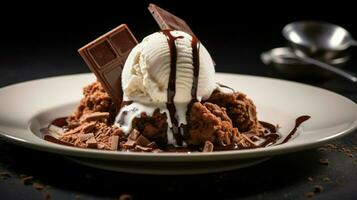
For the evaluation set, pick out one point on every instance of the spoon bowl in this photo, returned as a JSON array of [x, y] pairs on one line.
[[319, 40]]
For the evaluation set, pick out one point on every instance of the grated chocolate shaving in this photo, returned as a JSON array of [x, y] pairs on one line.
[[96, 116], [85, 137], [140, 148]]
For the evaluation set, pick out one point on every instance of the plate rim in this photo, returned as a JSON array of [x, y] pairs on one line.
[[194, 156]]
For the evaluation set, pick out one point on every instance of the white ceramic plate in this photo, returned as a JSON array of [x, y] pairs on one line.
[[28, 106]]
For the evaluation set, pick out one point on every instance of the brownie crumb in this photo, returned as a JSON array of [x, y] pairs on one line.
[[318, 189], [125, 197], [310, 194], [96, 100], [324, 161]]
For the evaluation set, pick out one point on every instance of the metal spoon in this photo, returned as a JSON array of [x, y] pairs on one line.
[[284, 61], [348, 75], [320, 40], [318, 35]]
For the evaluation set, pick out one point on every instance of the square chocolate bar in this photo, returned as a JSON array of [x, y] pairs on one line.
[[106, 56]]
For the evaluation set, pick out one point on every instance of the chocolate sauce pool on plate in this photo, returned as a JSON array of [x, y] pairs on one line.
[[298, 122]]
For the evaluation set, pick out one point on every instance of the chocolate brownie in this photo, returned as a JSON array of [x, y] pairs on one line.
[[209, 122], [239, 108]]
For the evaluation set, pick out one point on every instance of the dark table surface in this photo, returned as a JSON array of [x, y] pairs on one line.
[[289, 176]]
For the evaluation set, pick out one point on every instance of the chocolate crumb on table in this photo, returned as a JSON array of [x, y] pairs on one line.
[[310, 194], [38, 186], [5, 175], [318, 189], [332, 146], [324, 161], [125, 197], [47, 195], [26, 180], [326, 179]]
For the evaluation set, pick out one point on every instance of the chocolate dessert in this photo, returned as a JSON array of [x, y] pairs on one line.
[[159, 95]]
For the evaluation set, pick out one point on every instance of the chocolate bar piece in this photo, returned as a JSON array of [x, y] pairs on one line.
[[106, 56], [167, 20]]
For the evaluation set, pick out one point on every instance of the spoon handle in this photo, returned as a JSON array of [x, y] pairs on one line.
[[348, 75], [354, 43]]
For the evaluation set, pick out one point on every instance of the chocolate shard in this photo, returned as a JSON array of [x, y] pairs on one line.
[[129, 144], [142, 141], [55, 140], [114, 140], [208, 147], [166, 20], [134, 134], [96, 116], [88, 127], [92, 143], [106, 56]]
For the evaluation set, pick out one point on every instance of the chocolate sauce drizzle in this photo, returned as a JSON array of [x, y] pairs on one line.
[[225, 86], [195, 45], [298, 122], [171, 89]]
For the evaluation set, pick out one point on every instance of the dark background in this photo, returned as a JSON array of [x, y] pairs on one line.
[[41, 40], [46, 36]]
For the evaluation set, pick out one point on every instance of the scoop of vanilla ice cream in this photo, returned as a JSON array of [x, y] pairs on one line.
[[145, 79], [146, 71]]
